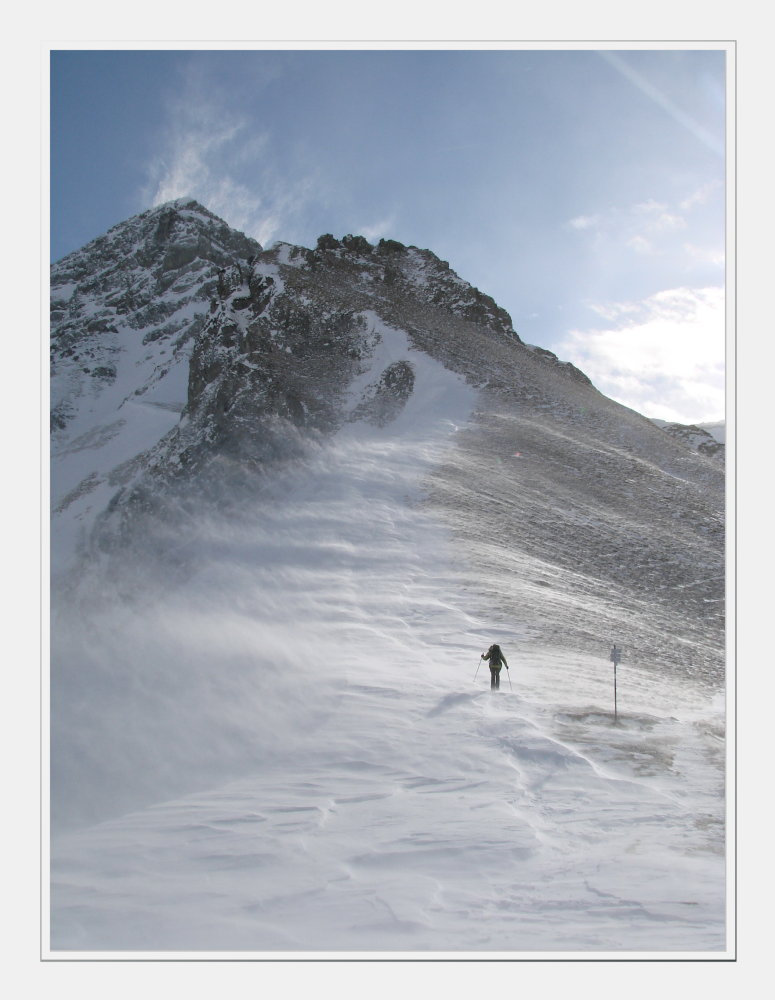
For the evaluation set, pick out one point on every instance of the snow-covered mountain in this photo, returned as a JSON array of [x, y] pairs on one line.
[[295, 493]]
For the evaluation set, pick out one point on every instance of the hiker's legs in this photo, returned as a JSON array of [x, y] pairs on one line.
[[495, 677]]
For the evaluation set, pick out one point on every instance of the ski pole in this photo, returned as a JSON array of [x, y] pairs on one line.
[[477, 667], [511, 688]]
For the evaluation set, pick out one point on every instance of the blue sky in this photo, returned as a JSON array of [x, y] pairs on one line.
[[584, 190]]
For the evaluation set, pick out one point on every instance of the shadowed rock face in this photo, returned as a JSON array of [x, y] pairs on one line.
[[567, 511], [384, 399]]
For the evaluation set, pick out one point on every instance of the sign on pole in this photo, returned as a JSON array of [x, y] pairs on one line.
[[616, 655]]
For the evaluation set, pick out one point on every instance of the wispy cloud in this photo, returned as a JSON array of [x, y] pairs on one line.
[[211, 152], [700, 195], [650, 227], [705, 255], [636, 225], [663, 356], [640, 245], [658, 216], [585, 222]]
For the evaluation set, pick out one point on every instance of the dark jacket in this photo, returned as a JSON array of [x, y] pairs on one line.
[[495, 655]]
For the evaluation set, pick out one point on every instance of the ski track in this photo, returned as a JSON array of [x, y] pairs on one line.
[[394, 804]]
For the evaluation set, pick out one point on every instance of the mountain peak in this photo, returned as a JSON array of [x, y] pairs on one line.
[[186, 202], [182, 221], [148, 280]]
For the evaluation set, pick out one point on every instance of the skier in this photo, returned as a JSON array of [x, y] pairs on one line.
[[495, 655], [616, 655]]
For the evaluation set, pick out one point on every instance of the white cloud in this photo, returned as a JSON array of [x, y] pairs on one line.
[[663, 356]]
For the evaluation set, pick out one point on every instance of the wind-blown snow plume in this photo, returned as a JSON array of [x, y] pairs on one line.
[[212, 152]]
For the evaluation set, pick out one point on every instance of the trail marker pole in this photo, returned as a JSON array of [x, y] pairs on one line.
[[616, 655]]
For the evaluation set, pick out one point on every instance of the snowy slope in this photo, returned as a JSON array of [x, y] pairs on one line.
[[413, 819], [388, 802], [268, 729]]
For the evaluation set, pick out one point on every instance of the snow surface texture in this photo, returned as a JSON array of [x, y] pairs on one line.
[[287, 747]]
